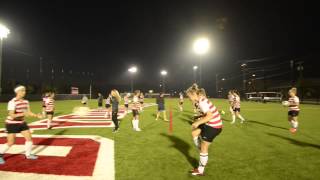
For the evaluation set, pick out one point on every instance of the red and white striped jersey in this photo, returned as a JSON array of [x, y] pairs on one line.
[[236, 101], [19, 107], [294, 103], [135, 103], [230, 98], [206, 106], [126, 100], [49, 104], [44, 101]]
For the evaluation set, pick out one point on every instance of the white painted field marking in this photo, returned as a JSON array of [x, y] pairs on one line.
[[42, 150], [104, 167]]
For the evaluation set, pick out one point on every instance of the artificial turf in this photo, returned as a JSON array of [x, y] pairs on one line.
[[261, 148]]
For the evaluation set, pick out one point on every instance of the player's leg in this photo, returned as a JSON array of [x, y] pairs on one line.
[[5, 147], [137, 123], [196, 137], [158, 115], [233, 115], [203, 160], [28, 144], [49, 121], [115, 120], [239, 116], [165, 116]]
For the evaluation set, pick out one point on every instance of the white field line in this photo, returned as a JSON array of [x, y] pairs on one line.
[[104, 168]]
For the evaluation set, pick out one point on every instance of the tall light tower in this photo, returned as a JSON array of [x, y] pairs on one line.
[[132, 70], [195, 68], [163, 74], [4, 31], [201, 47]]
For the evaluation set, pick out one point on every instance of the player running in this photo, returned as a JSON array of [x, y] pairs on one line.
[[207, 127], [18, 109], [293, 109], [49, 108], [236, 107], [115, 99], [161, 107], [230, 99], [181, 101], [135, 110]]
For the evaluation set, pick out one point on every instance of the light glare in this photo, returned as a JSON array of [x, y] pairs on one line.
[[201, 46], [4, 31]]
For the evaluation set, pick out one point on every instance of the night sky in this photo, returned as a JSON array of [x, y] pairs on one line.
[[108, 38]]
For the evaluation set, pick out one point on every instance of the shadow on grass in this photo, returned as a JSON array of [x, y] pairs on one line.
[[265, 124], [182, 146], [296, 142]]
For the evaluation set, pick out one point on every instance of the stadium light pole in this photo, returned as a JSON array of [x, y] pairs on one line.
[[201, 47], [132, 70], [163, 74], [195, 68], [4, 31]]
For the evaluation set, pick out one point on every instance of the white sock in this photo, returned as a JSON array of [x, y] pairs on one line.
[[233, 118], [28, 146], [4, 148], [294, 124], [196, 141], [133, 124], [137, 123], [240, 117], [203, 161]]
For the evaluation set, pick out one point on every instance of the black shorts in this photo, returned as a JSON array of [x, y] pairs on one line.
[[141, 103], [108, 106], [135, 112], [50, 113], [236, 109], [161, 107], [126, 105], [293, 113], [16, 128], [99, 104], [208, 133]]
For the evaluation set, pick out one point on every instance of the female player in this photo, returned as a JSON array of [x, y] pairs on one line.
[[135, 110], [18, 109], [108, 106], [141, 99], [49, 108], [236, 107], [230, 99], [161, 107], [100, 101], [208, 127], [293, 111], [126, 101], [115, 99], [181, 101]]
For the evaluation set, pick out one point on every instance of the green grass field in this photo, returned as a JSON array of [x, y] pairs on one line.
[[261, 148]]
